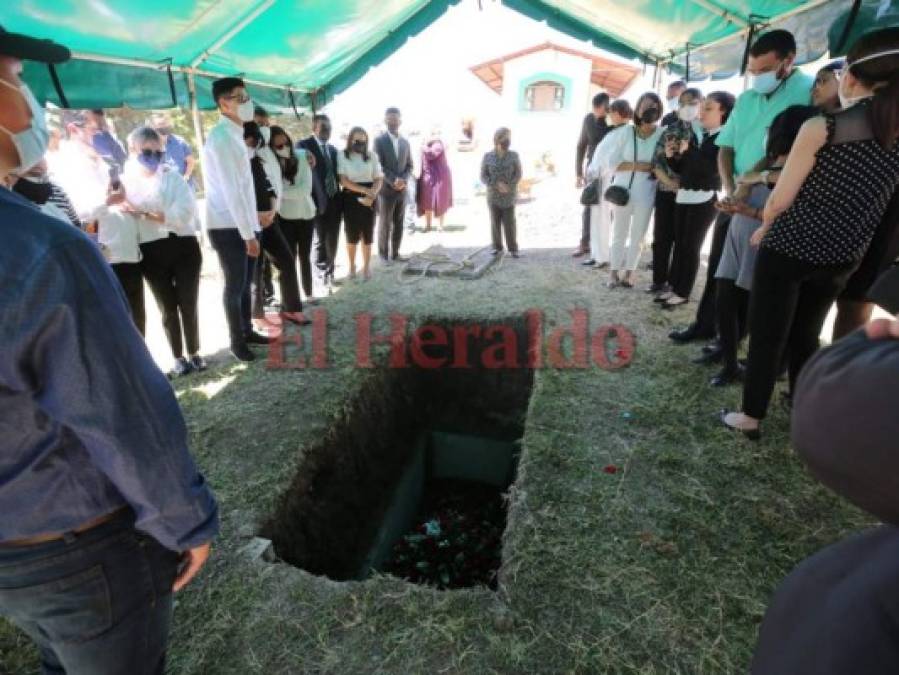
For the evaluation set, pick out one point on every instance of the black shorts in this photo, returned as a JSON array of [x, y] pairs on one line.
[[359, 220]]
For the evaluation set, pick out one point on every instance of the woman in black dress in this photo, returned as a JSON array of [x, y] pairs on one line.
[[820, 220]]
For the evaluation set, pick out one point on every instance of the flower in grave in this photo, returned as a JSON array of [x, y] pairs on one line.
[[432, 528], [610, 469]]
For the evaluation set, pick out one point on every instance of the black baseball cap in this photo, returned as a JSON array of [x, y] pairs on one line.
[[32, 49]]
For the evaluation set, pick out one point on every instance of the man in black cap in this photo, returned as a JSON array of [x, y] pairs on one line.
[[104, 514]]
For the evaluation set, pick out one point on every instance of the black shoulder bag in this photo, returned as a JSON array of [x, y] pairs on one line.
[[590, 195], [618, 195]]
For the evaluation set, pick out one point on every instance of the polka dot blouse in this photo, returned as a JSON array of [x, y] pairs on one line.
[[844, 198]]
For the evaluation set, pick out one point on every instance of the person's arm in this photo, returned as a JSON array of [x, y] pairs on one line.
[[516, 171], [583, 142], [389, 176], [486, 178], [235, 178], [409, 168], [190, 164], [811, 138], [75, 350], [179, 204]]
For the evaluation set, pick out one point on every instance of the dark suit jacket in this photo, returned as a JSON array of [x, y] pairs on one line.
[[393, 167], [319, 193]]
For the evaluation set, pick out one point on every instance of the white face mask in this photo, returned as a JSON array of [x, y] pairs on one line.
[[283, 152], [673, 103], [245, 111], [689, 113], [765, 83], [847, 101], [31, 143]]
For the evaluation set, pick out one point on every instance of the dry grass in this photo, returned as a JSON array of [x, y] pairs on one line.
[[664, 567]]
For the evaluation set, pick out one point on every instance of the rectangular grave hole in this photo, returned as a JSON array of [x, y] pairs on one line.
[[410, 479]]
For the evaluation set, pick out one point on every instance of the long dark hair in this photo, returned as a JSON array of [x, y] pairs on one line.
[[725, 101], [349, 142], [785, 128], [881, 72], [289, 165]]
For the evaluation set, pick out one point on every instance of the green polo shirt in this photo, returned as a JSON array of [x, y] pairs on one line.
[[747, 127]]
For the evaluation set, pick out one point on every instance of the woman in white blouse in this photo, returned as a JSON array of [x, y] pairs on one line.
[[296, 211], [170, 257], [628, 155], [361, 177]]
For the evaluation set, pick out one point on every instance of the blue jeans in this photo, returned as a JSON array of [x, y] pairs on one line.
[[237, 268], [97, 603]]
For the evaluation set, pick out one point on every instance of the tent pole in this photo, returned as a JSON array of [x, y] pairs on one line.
[[195, 111]]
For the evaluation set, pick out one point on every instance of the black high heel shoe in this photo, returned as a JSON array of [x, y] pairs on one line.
[[751, 434]]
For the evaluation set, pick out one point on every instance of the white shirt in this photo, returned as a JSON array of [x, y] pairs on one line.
[[273, 173], [296, 197], [166, 192], [83, 175], [599, 164], [396, 143], [118, 232], [621, 149], [230, 197], [357, 169]]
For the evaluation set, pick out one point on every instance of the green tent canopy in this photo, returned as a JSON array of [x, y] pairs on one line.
[[299, 54]]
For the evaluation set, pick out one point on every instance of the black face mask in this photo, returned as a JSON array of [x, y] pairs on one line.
[[37, 193], [359, 146], [649, 116]]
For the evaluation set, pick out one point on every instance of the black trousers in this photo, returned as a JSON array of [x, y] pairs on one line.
[[171, 267], [391, 214], [663, 237], [327, 234], [691, 224], [132, 283], [732, 307], [585, 229], [238, 269], [787, 308], [298, 235], [502, 222], [705, 313], [275, 247]]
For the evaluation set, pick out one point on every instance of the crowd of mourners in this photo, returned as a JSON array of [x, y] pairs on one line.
[[105, 514], [796, 178]]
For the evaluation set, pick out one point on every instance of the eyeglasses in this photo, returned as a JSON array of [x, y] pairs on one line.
[[152, 154], [237, 97]]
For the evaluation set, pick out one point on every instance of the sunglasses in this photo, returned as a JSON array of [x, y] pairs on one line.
[[152, 154]]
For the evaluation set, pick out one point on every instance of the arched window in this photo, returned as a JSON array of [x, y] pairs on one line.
[[544, 96]]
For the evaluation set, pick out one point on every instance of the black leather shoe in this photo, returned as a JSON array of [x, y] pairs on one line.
[[727, 376], [589, 263], [714, 345], [714, 356], [254, 338], [242, 353], [688, 334], [657, 288]]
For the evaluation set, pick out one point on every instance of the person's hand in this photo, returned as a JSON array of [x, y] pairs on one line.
[[579, 183], [311, 159], [253, 248], [266, 218], [749, 178], [684, 146], [741, 194], [883, 329], [192, 560], [366, 201], [758, 235], [371, 194], [670, 148], [726, 205], [502, 188]]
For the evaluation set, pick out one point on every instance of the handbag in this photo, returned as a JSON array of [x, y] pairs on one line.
[[617, 194], [590, 195]]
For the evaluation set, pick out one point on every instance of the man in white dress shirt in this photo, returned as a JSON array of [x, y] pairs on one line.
[[231, 217]]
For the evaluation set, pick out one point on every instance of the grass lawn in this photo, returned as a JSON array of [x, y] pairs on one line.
[[663, 567]]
